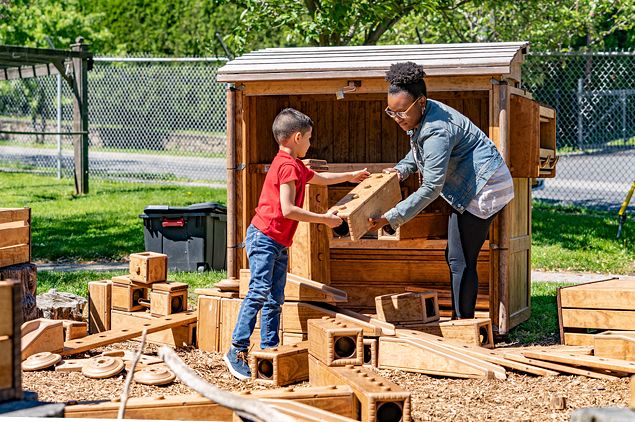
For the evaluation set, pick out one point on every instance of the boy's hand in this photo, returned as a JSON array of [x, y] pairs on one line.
[[377, 223], [332, 220], [359, 175]]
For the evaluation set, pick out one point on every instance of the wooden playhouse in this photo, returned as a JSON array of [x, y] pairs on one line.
[[343, 90]]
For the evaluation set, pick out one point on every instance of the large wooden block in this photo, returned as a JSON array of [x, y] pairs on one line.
[[99, 305], [42, 335], [168, 298], [408, 307], [422, 226], [127, 295], [615, 345], [299, 289], [371, 198], [208, 309], [309, 255], [475, 331], [148, 267], [379, 399], [15, 236], [10, 340], [335, 343], [229, 310], [282, 365], [179, 336]]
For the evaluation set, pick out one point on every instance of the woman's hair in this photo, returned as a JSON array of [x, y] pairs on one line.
[[408, 77], [288, 122]]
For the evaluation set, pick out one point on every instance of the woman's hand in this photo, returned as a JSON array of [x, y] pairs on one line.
[[393, 170], [359, 175], [377, 223]]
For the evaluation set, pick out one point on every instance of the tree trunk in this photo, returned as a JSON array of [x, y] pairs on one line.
[[27, 275]]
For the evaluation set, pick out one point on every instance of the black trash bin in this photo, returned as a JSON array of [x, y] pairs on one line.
[[194, 237]]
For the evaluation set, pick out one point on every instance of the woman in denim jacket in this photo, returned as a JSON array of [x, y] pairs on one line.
[[456, 160]]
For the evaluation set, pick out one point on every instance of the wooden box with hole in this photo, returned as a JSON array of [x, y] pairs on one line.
[[282, 365], [335, 343], [148, 267], [168, 298], [475, 331], [127, 295]]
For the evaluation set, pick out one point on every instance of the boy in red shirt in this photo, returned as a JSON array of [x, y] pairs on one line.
[[271, 233]]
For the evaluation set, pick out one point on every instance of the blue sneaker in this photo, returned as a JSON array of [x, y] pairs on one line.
[[237, 363]]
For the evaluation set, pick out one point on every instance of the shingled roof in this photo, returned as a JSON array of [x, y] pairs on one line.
[[372, 61]]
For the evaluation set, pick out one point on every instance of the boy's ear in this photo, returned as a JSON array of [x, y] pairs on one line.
[[297, 136]]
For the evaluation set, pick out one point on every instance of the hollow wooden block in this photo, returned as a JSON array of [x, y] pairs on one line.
[[408, 307], [422, 226], [208, 308], [379, 399], [180, 336], [476, 331], [74, 329], [99, 305], [148, 267], [370, 352], [126, 294], [168, 298], [335, 343], [282, 365], [371, 198]]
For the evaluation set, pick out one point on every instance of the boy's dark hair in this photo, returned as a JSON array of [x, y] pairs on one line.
[[408, 77], [288, 122]]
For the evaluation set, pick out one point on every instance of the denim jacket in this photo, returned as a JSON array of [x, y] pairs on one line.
[[454, 159]]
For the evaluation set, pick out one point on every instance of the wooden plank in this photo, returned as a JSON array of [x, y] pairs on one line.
[[215, 292], [600, 319], [15, 233], [300, 289], [376, 396], [411, 355], [335, 343], [179, 336], [281, 365], [476, 331], [13, 255], [613, 293], [577, 339], [615, 345], [598, 363], [302, 412], [337, 399], [115, 336], [524, 137], [10, 215], [208, 316], [6, 362], [371, 198], [99, 305], [295, 315]]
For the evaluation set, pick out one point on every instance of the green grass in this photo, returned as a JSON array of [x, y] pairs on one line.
[[103, 225], [578, 239]]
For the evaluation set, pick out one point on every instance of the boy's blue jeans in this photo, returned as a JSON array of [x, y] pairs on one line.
[[268, 261]]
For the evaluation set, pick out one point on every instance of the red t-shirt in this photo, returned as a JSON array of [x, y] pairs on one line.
[[269, 218]]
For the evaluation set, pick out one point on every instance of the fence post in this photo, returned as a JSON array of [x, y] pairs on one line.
[[80, 117], [580, 117], [623, 98]]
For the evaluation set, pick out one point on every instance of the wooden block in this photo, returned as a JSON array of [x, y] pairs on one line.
[[598, 319], [15, 236], [127, 295], [168, 298], [612, 294], [215, 291], [11, 340], [422, 226], [300, 289], [148, 267], [74, 329], [309, 256], [153, 325], [179, 336], [337, 399], [208, 309], [335, 343], [476, 331], [615, 345], [416, 355], [292, 338], [99, 305], [379, 399], [228, 317], [280, 366], [408, 307], [371, 198], [42, 335], [370, 352], [8, 290], [6, 363]]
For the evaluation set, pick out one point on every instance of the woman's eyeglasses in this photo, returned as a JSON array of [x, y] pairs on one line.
[[400, 114]]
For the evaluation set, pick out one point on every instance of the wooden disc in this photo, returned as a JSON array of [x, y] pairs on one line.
[[158, 375], [40, 361], [103, 367]]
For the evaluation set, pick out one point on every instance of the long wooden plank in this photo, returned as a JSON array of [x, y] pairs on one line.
[[13, 255], [72, 347], [8, 215], [552, 366], [596, 362], [598, 318], [16, 233], [300, 289], [618, 294]]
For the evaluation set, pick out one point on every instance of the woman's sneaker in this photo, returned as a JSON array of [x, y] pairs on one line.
[[237, 364]]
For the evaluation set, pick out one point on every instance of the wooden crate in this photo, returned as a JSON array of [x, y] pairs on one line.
[[128, 295], [15, 236], [168, 298], [148, 267], [591, 308], [10, 340]]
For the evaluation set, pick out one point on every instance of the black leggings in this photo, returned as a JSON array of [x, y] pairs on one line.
[[466, 235]]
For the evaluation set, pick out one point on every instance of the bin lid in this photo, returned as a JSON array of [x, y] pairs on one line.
[[201, 208]]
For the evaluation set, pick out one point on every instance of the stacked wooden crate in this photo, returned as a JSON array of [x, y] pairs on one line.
[[590, 308]]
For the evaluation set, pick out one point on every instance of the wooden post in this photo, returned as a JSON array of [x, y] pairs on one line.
[[80, 117], [503, 219]]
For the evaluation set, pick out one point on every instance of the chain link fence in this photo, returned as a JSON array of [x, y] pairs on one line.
[[149, 119], [163, 120], [594, 98]]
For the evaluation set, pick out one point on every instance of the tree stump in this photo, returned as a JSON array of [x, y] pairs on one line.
[[61, 305], [27, 275]]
